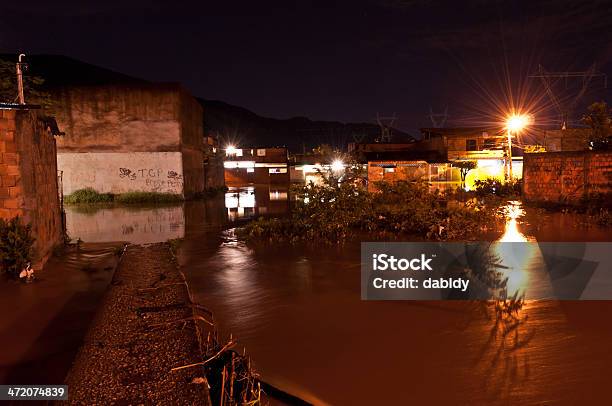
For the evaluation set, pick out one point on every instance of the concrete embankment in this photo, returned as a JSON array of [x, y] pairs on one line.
[[143, 329]]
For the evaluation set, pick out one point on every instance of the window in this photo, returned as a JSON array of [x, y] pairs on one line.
[[470, 145], [388, 170], [250, 170], [261, 152], [277, 170], [489, 143]]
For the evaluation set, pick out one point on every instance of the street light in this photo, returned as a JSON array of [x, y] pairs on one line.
[[337, 165], [514, 124], [230, 150]]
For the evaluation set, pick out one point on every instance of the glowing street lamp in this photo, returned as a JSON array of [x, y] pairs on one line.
[[514, 124], [337, 165], [230, 150]]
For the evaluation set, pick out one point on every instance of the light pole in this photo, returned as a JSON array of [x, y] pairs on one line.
[[514, 123]]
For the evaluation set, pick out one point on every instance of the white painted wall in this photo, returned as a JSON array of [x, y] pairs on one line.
[[120, 172]]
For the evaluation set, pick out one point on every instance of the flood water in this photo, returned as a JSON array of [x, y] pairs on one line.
[[298, 312], [44, 323]]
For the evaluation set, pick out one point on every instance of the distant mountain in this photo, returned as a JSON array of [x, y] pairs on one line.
[[231, 124], [59, 70], [237, 125]]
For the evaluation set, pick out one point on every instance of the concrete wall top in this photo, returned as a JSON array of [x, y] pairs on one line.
[[126, 118]]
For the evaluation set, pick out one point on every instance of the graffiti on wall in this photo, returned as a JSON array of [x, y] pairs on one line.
[[156, 179]]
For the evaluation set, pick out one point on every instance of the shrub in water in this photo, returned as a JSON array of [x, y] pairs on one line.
[[88, 195], [493, 186], [15, 246], [331, 212]]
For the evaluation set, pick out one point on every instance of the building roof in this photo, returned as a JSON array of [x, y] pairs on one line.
[[430, 156], [459, 131]]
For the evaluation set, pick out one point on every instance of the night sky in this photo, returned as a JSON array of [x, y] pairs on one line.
[[329, 60]]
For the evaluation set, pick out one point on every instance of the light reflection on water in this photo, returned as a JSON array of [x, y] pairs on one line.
[[151, 224], [522, 258]]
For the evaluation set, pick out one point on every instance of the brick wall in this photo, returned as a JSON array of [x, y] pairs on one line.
[[566, 177], [28, 175]]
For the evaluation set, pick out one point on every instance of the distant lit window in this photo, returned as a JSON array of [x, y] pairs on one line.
[[261, 152], [249, 170], [388, 170], [238, 152], [470, 145], [238, 164], [277, 170]]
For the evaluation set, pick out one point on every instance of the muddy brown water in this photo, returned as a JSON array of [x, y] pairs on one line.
[[298, 312], [43, 323]]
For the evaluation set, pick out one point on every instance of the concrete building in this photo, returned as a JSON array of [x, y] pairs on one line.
[[28, 176], [440, 175], [571, 139], [130, 137], [214, 172], [256, 166], [434, 157]]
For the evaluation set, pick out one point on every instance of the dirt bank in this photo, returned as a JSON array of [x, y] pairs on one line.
[[135, 338]]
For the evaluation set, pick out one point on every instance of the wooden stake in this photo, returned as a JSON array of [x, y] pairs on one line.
[[222, 387]]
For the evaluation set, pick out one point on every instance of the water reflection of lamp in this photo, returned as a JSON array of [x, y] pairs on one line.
[[513, 254]]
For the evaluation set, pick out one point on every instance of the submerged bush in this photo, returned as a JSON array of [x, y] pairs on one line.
[[331, 212], [89, 196], [494, 186], [16, 243]]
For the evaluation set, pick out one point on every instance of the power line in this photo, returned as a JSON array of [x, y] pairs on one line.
[[565, 109]]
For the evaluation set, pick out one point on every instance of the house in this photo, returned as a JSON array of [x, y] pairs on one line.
[[487, 146], [246, 166], [435, 156], [130, 137]]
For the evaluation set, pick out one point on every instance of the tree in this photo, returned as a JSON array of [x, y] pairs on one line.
[[464, 168], [599, 118], [32, 86]]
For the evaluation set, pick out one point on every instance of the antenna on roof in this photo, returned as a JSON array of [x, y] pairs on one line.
[[21, 66]]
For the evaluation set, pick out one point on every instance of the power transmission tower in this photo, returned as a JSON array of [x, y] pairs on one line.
[[386, 126], [565, 109], [438, 120]]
